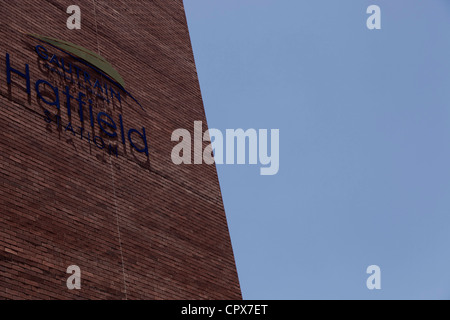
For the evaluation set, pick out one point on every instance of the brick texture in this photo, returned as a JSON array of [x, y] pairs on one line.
[[138, 227]]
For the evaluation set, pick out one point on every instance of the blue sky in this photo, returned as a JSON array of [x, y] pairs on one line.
[[364, 119]]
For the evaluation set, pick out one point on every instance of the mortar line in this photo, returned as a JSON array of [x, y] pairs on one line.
[[112, 176]]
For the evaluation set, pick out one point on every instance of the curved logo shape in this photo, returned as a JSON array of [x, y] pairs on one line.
[[89, 58], [87, 55]]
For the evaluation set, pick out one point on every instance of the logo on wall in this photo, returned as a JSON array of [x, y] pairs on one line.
[[83, 96]]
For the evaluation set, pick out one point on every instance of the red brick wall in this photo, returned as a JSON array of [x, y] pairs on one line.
[[138, 227]]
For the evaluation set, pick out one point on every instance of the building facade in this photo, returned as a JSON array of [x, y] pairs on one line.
[[86, 176]]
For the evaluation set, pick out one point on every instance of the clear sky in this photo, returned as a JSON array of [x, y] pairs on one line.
[[364, 119]]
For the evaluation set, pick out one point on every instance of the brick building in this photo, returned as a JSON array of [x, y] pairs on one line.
[[86, 176]]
